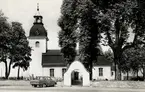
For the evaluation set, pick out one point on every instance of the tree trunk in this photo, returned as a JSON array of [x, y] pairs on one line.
[[143, 73], [91, 70], [120, 75], [117, 75], [6, 70], [18, 76], [127, 75], [9, 68]]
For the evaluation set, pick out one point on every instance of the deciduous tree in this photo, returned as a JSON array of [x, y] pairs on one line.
[[5, 38], [20, 52], [14, 48], [121, 21], [68, 34]]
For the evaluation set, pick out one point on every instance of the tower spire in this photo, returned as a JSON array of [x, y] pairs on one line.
[[37, 6]]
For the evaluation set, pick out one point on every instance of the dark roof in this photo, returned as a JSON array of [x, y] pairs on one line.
[[53, 52], [54, 58], [38, 30], [38, 37], [102, 61]]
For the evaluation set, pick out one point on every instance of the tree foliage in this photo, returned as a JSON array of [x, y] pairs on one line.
[[68, 34], [109, 55], [20, 52], [118, 21], [5, 39], [13, 45], [133, 59], [78, 25], [89, 36]]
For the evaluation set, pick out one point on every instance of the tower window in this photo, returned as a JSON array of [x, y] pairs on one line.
[[63, 71], [51, 72], [37, 44], [100, 71]]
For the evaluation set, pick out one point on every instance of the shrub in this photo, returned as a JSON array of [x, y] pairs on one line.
[[137, 79]]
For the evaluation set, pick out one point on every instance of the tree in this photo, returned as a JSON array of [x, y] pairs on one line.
[[141, 59], [68, 34], [134, 59], [5, 38], [109, 55], [13, 45], [77, 25], [88, 34], [117, 20], [113, 18], [20, 52], [126, 62]]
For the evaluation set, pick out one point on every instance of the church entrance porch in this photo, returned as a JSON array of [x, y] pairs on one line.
[[76, 78], [76, 75]]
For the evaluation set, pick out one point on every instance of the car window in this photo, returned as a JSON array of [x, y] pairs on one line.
[[48, 78], [41, 78]]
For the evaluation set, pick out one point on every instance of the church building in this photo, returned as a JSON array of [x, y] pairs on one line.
[[47, 62]]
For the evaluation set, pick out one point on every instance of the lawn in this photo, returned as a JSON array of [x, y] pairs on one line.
[[98, 84]]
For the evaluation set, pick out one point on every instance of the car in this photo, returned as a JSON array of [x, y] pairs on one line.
[[41, 81]]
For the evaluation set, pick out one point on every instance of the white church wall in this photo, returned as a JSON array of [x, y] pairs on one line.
[[2, 69], [42, 46], [106, 73], [36, 63], [57, 71], [13, 71]]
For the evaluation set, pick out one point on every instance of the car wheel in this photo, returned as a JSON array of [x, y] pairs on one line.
[[41, 85], [44, 85], [35, 85]]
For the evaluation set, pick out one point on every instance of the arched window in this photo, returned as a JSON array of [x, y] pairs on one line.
[[37, 44]]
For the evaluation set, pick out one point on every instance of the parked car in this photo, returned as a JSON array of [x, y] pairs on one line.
[[41, 81]]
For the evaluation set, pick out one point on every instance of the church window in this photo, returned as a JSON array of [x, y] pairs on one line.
[[63, 71], [51, 72], [37, 44], [100, 71], [111, 73]]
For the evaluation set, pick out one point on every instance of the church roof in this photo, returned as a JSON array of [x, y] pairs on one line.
[[102, 61], [38, 30], [54, 58]]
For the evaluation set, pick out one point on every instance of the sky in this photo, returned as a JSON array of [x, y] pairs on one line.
[[24, 10]]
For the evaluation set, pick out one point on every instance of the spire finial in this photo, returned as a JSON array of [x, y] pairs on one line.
[[37, 6]]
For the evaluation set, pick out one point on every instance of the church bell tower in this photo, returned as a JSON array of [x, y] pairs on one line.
[[38, 42]]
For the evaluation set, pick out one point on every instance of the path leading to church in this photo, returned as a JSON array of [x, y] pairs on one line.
[[64, 89]]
